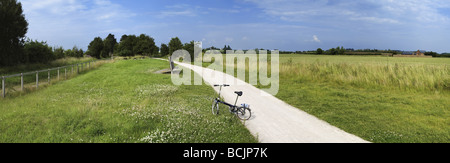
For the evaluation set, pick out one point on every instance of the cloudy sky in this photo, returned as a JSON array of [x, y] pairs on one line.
[[248, 24]]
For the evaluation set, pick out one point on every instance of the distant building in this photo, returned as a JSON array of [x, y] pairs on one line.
[[418, 53]]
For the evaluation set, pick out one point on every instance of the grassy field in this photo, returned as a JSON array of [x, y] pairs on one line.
[[381, 99], [119, 102]]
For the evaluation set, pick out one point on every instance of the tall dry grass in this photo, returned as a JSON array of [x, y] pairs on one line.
[[423, 77]]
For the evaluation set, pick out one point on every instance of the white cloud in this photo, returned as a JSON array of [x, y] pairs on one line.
[[315, 39], [165, 14], [224, 10], [73, 22], [178, 10], [326, 12]]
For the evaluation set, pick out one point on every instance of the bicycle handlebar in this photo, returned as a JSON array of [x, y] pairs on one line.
[[225, 85]]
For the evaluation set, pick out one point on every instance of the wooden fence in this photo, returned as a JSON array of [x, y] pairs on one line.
[[67, 70]]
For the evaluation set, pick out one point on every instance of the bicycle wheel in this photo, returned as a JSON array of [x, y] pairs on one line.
[[243, 113], [215, 107]]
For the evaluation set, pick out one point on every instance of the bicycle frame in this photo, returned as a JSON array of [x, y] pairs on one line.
[[242, 112], [223, 102]]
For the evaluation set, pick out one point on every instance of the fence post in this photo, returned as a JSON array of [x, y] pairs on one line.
[[65, 73], [48, 76], [3, 87], [58, 73], [78, 69], [21, 81], [37, 79]]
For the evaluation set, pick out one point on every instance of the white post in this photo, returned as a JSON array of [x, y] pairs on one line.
[[3, 87], [58, 73], [48, 76], [21, 81], [37, 79]]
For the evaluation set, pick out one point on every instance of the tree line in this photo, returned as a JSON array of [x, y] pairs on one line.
[[129, 45], [15, 48], [132, 45]]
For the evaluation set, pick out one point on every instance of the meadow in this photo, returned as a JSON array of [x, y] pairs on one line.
[[123, 102], [380, 99]]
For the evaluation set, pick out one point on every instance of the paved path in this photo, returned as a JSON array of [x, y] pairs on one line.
[[274, 121]]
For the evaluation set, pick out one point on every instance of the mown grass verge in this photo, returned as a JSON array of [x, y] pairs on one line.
[[119, 102]]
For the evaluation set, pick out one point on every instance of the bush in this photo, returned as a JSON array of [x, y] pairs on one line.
[[319, 51], [125, 52], [38, 52], [59, 52]]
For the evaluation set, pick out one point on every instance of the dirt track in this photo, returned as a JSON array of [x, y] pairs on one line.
[[274, 121]]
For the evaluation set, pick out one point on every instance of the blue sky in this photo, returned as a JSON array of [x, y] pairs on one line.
[[248, 24]]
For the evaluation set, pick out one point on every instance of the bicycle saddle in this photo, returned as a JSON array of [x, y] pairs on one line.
[[239, 93]]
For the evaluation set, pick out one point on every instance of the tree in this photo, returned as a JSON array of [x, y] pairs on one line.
[[225, 48], [127, 45], [341, 51], [332, 51], [431, 53], [155, 51], [145, 45], [164, 50], [319, 51], [109, 44], [174, 45], [212, 48], [12, 32], [76, 52], [190, 48], [58, 52], [95, 48], [69, 53], [38, 52]]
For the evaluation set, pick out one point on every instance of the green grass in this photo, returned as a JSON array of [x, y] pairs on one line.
[[119, 102], [411, 74], [13, 84], [380, 99], [5, 71], [377, 98]]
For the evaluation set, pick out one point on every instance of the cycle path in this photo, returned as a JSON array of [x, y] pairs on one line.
[[274, 121]]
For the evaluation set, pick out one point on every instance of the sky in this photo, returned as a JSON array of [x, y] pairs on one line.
[[247, 24]]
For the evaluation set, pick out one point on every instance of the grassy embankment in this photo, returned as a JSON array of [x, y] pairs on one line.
[[118, 102], [4, 71], [13, 84]]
